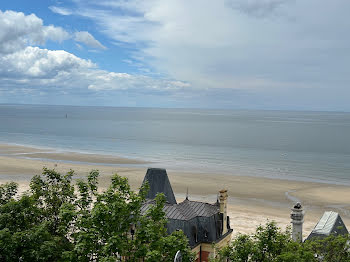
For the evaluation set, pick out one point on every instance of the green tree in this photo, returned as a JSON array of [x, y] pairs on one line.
[[270, 243], [35, 227], [267, 244], [240, 249], [332, 248], [7, 192], [54, 221]]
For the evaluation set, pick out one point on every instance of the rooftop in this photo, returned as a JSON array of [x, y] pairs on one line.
[[158, 181], [186, 210], [330, 223]]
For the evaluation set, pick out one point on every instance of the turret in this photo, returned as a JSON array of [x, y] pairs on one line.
[[297, 216]]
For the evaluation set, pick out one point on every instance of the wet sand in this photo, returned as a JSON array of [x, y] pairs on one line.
[[252, 200]]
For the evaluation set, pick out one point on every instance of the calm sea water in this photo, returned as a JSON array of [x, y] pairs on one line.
[[279, 144]]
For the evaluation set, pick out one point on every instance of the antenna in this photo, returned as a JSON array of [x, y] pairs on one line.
[[187, 194]]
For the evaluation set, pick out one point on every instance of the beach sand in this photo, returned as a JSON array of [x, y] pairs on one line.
[[252, 200]]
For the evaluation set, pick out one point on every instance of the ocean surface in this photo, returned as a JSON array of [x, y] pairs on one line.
[[307, 146]]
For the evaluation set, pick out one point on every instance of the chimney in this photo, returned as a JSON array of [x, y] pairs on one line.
[[223, 209], [297, 216]]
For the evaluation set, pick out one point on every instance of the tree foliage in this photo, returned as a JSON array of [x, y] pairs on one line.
[[57, 220], [270, 243]]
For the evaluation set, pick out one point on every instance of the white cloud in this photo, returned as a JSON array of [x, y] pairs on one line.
[[87, 39], [265, 48], [60, 10], [29, 69], [258, 8], [269, 50], [265, 51], [107, 81], [36, 68], [18, 30], [33, 62], [185, 39]]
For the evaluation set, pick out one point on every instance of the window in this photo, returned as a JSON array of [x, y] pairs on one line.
[[195, 234], [218, 228], [206, 234]]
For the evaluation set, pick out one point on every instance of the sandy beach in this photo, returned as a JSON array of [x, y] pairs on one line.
[[252, 200]]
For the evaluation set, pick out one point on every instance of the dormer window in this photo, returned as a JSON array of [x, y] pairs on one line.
[[195, 234], [219, 228], [206, 234]]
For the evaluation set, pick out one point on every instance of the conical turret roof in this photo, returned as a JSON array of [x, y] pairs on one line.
[[159, 183]]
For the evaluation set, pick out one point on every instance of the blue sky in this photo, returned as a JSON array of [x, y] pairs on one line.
[[244, 54]]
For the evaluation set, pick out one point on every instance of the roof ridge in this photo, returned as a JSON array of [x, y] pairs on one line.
[[198, 202]]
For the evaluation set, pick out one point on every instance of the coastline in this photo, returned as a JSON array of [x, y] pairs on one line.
[[252, 200]]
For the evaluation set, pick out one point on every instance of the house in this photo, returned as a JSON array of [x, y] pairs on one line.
[[204, 224], [330, 223]]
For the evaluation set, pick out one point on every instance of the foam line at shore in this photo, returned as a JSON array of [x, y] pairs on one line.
[[29, 149], [99, 158]]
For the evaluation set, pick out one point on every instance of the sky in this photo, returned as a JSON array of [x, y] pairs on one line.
[[230, 54]]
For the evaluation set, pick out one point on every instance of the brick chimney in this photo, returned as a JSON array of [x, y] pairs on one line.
[[223, 209]]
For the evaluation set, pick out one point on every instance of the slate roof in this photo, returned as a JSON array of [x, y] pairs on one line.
[[159, 183], [186, 210], [190, 209], [330, 223], [191, 216]]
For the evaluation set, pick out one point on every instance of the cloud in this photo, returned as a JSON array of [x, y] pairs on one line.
[[108, 81], [18, 30], [60, 10], [33, 62], [42, 69], [81, 36], [185, 40], [34, 68], [224, 52], [258, 8], [31, 71], [87, 39]]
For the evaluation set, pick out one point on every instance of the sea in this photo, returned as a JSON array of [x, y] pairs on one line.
[[292, 145]]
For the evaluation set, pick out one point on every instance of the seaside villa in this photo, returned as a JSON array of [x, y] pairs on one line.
[[202, 223]]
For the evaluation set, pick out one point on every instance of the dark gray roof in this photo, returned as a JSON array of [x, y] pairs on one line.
[[159, 183], [191, 209], [330, 223], [186, 210], [200, 222]]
